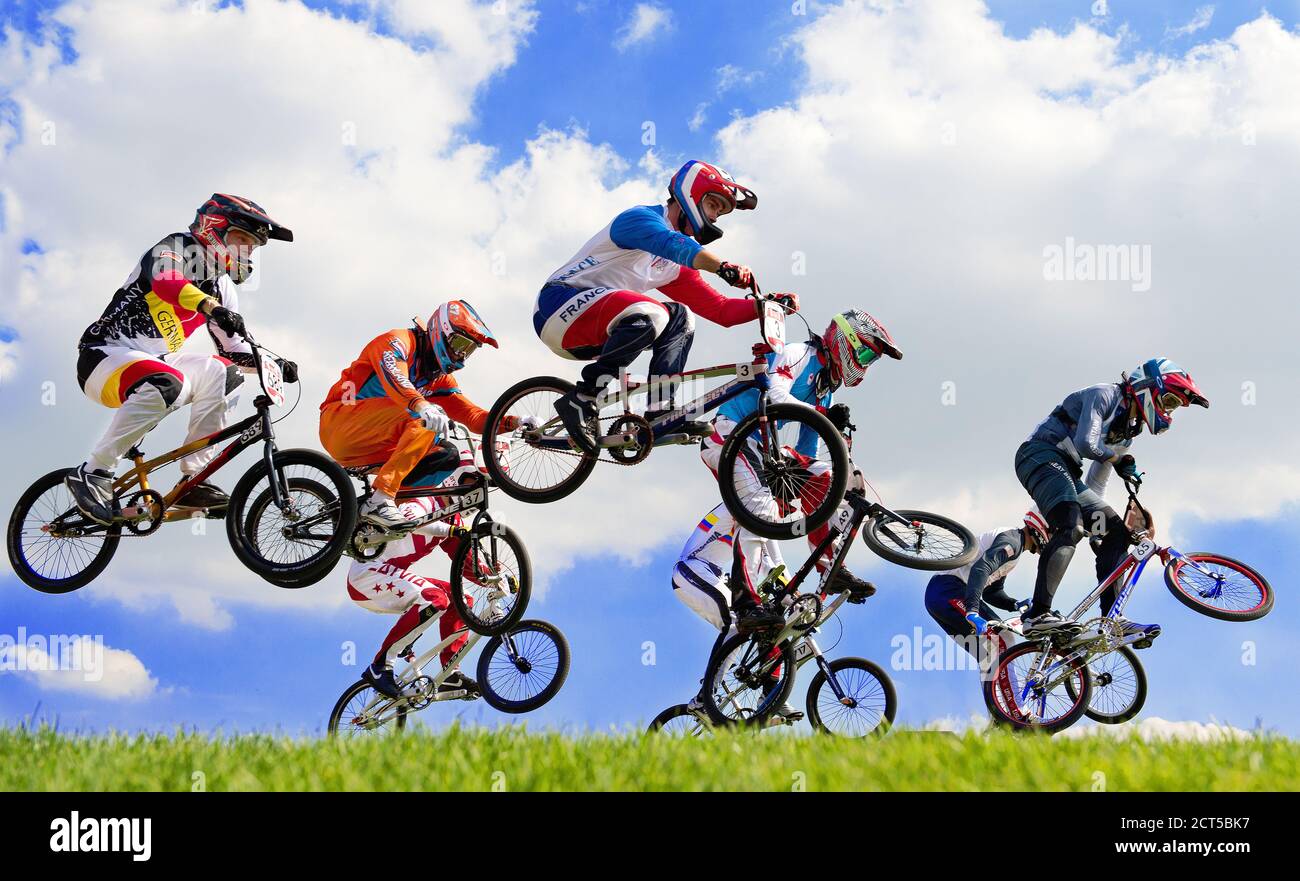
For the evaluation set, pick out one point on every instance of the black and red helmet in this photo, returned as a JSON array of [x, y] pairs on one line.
[[222, 213]]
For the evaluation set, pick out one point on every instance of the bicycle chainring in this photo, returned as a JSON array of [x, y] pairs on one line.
[[642, 442], [149, 501]]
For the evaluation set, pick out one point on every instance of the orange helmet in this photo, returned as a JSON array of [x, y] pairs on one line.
[[455, 331]]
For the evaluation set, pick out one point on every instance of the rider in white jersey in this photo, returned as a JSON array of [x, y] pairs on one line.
[[388, 585], [805, 373], [596, 307], [715, 554]]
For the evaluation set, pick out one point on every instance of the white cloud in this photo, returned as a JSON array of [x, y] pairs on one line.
[[925, 164], [80, 665], [1199, 21], [929, 160], [699, 117], [1157, 729], [648, 21], [1150, 729], [730, 76]]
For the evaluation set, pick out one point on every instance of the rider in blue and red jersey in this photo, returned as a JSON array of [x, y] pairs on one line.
[[595, 308], [806, 373]]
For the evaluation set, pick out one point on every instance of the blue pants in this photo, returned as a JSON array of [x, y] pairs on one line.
[[945, 600]]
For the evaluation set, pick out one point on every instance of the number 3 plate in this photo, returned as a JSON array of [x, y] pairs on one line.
[[774, 326], [272, 379]]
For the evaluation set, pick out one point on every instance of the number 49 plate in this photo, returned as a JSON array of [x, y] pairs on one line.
[[272, 379]]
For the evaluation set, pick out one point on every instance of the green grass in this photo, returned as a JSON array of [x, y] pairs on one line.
[[512, 759]]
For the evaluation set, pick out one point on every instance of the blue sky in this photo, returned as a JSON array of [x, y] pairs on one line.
[[278, 669]]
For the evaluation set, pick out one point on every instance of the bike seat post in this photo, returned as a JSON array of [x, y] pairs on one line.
[[137, 460]]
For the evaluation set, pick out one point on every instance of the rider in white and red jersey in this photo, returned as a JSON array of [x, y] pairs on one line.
[[388, 585], [595, 307]]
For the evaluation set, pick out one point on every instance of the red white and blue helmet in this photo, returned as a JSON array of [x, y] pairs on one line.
[[455, 332], [1036, 526], [1160, 386], [695, 180]]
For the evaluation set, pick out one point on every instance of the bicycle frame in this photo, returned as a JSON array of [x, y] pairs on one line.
[[1104, 640], [749, 375], [796, 629], [382, 704], [464, 497], [247, 432]]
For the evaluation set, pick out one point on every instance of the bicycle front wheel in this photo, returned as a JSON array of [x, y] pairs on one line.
[[679, 721], [362, 711], [52, 547], [926, 541], [539, 464], [297, 544], [1219, 587], [1028, 690], [747, 680], [867, 703], [522, 671], [491, 579], [783, 478]]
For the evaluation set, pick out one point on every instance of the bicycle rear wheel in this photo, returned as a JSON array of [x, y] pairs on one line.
[[524, 679], [1119, 686], [537, 465], [1228, 589], [1018, 695], [491, 579], [363, 711], [299, 544], [62, 562], [747, 680], [927, 541], [868, 706], [770, 481]]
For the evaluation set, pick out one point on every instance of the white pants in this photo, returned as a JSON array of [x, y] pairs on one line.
[[208, 383]]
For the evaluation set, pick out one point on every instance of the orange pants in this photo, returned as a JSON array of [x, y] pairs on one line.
[[375, 430]]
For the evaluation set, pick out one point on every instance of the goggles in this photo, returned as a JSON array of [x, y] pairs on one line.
[[460, 345], [1171, 401], [862, 353]]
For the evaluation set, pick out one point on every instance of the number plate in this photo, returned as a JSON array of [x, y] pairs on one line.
[[272, 379], [774, 326], [1144, 549], [802, 650]]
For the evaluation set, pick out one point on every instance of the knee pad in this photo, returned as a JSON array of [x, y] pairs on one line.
[[234, 378], [1066, 521], [167, 384]]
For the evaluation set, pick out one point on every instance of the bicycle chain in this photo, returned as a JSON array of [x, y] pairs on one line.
[[599, 458]]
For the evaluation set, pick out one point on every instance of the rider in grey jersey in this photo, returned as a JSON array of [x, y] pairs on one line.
[[1099, 424]]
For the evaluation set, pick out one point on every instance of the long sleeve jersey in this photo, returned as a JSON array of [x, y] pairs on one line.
[[391, 365], [157, 308], [639, 251], [1088, 424]]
